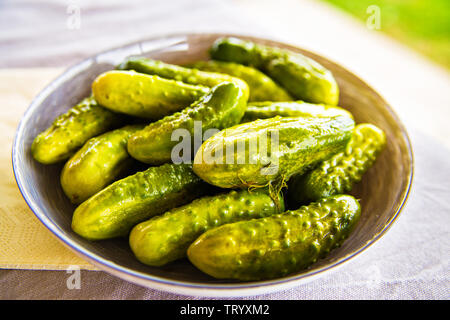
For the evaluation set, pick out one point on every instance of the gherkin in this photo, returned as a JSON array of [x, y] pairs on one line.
[[115, 210], [268, 151], [339, 173], [99, 162], [270, 109], [262, 87], [304, 78], [142, 95], [179, 73], [166, 238], [223, 107], [278, 245], [72, 129]]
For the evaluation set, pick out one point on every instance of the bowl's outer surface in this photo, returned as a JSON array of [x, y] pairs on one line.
[[383, 190]]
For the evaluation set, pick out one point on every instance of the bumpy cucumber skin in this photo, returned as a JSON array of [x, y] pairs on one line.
[[143, 95], [223, 107], [115, 210], [178, 73], [269, 109], [166, 238], [98, 163], [72, 129], [302, 77], [302, 143], [278, 245], [339, 173], [262, 88]]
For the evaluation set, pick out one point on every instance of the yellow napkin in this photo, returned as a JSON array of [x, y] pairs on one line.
[[24, 242]]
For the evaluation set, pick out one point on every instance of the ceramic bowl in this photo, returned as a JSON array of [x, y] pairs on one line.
[[383, 190]]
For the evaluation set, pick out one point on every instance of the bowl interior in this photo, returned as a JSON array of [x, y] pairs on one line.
[[382, 191]]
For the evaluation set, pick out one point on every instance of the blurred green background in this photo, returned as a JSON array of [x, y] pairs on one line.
[[424, 25]]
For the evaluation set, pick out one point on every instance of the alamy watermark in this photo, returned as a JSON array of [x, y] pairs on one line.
[[74, 280], [373, 21], [73, 21]]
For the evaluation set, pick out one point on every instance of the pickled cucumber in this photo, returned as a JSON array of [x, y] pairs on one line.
[[98, 163], [223, 107], [304, 78], [166, 238], [179, 73], [262, 88], [260, 152], [269, 109], [144, 95], [72, 129], [339, 173], [275, 246], [116, 209]]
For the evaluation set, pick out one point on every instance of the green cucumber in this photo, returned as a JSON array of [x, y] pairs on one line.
[[304, 78], [262, 88], [98, 163], [339, 173], [276, 246], [263, 151], [115, 210], [166, 238], [72, 129], [270, 109], [223, 107], [178, 73], [143, 95]]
